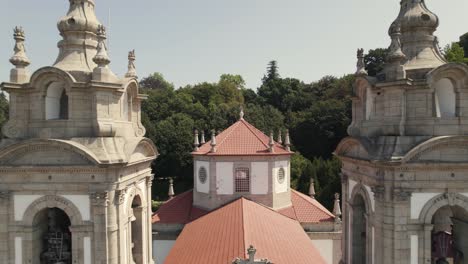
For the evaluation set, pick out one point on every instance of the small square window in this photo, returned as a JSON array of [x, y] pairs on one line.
[[242, 180]]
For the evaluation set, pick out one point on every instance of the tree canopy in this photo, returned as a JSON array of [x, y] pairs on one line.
[[318, 111]]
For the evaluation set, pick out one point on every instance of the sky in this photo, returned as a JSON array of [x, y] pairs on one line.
[[192, 41]]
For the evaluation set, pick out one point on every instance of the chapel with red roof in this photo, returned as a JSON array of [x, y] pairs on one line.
[[242, 207]]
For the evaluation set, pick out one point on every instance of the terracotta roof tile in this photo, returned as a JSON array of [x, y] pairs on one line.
[[306, 210], [178, 210], [226, 233], [241, 138]]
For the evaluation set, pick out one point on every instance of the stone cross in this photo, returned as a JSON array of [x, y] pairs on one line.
[[251, 260]]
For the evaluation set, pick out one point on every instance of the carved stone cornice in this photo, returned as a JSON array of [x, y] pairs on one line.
[[100, 198], [4, 195], [379, 192], [402, 194], [149, 180]]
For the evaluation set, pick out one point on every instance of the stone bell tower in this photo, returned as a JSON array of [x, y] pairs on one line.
[[405, 163], [75, 175]]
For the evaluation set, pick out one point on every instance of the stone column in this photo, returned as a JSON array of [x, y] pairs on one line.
[[401, 239], [379, 196], [4, 243], [427, 246], [149, 230], [112, 231], [100, 202], [344, 217]]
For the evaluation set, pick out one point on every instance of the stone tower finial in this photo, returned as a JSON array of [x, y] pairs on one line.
[[287, 141], [395, 52], [280, 137], [131, 73], [417, 24], [361, 66], [312, 188], [79, 30], [394, 69], [202, 137], [102, 72], [213, 141], [19, 59], [101, 58], [271, 143], [171, 192], [196, 143], [337, 208], [241, 113]]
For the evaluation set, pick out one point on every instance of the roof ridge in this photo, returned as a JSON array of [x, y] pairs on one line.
[[233, 126], [244, 240], [321, 207], [249, 127]]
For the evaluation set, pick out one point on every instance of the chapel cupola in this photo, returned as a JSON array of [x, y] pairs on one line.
[[241, 161]]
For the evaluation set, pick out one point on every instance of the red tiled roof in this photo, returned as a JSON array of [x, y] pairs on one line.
[[226, 233], [178, 210], [306, 210], [240, 139]]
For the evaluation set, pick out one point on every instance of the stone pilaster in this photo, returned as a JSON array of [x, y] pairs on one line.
[[100, 202], [149, 232], [4, 207]]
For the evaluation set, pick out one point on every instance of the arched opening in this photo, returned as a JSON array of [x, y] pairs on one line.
[[358, 231], [444, 98], [136, 228], [450, 235], [56, 102], [51, 237]]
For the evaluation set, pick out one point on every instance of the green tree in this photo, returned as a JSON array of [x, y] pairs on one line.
[[156, 81], [375, 60], [455, 53], [272, 71], [464, 43], [235, 80], [4, 109]]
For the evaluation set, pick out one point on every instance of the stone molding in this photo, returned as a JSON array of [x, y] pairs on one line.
[[51, 201]]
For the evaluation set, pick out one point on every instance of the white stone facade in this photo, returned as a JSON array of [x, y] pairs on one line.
[[404, 172], [75, 145]]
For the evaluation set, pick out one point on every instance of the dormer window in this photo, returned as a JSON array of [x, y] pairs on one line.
[[242, 180], [56, 102]]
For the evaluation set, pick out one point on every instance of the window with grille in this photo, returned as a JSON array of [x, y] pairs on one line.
[[202, 174], [281, 175], [242, 180]]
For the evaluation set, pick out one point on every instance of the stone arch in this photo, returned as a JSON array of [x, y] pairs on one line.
[[52, 201], [140, 150], [131, 104], [434, 143], [361, 235], [359, 189], [28, 146], [351, 144], [132, 193], [436, 203], [54, 86], [457, 73]]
